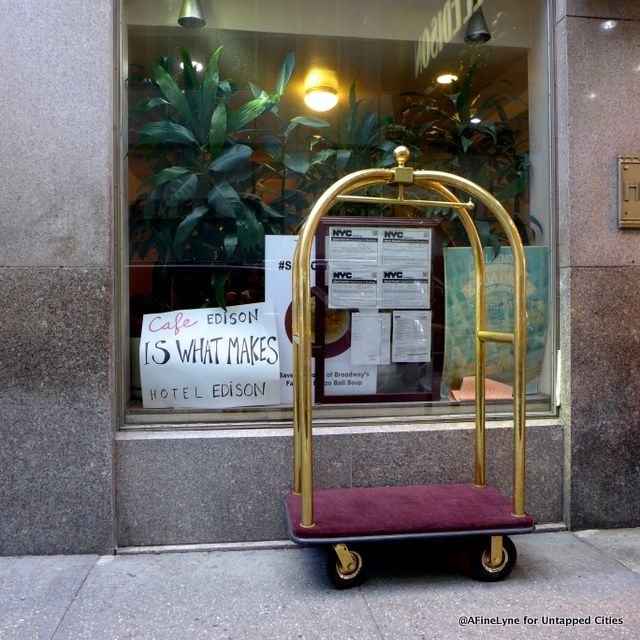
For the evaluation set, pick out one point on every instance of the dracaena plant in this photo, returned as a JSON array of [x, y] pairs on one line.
[[358, 141], [468, 131], [202, 204]]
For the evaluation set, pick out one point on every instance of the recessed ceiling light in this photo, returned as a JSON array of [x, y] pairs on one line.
[[446, 78], [607, 25]]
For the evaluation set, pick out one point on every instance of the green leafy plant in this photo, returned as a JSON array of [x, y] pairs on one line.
[[469, 132], [201, 205], [359, 141]]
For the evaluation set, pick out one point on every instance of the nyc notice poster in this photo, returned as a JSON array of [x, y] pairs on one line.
[[341, 376]]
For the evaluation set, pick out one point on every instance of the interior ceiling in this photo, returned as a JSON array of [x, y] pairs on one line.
[[382, 68]]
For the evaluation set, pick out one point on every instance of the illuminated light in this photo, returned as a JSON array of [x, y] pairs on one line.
[[446, 78], [321, 98], [475, 120], [607, 25], [321, 88], [196, 65]]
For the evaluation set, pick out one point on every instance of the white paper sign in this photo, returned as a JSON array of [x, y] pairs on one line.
[[402, 246], [352, 288], [405, 289], [353, 244], [411, 336], [370, 338], [210, 358], [341, 377]]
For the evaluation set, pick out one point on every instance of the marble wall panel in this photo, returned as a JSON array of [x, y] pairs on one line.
[[56, 129], [597, 82], [56, 417], [605, 392], [222, 488]]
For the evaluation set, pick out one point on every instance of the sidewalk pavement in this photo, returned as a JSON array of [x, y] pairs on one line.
[[565, 585]]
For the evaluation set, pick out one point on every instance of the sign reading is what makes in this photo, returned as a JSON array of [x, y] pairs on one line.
[[210, 358]]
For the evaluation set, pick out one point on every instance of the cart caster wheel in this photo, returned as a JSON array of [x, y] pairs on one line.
[[480, 566], [345, 577]]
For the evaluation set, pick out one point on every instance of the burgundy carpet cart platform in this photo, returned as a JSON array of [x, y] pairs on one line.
[[337, 518]]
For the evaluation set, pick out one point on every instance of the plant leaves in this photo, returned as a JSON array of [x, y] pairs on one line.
[[230, 244], [285, 72], [224, 200], [180, 190], [251, 233], [296, 162], [306, 121], [174, 95], [342, 156], [247, 112], [166, 132], [218, 129], [218, 282], [186, 227], [156, 102], [232, 158], [189, 76], [166, 175], [273, 147]]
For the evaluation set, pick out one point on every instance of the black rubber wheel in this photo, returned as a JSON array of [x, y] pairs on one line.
[[341, 579], [480, 556]]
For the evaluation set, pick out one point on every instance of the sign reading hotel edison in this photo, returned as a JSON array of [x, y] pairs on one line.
[[629, 192]]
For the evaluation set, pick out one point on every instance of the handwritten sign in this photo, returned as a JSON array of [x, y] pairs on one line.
[[210, 358]]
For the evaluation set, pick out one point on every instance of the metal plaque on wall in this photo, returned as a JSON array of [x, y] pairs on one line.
[[629, 192]]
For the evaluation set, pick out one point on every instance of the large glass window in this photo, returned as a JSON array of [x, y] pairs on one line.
[[239, 116]]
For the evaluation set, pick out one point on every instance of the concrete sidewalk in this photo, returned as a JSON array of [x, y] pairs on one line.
[[283, 593]]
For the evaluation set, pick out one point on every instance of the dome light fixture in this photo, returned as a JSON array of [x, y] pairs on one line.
[[321, 98], [446, 78], [191, 15], [321, 88]]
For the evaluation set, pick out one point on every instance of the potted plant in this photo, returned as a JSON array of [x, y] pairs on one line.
[[358, 141], [469, 132], [200, 216]]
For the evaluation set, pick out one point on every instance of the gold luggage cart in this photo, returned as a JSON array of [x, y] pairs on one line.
[[342, 516]]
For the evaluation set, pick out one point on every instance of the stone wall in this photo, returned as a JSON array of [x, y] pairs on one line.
[[56, 278], [598, 92]]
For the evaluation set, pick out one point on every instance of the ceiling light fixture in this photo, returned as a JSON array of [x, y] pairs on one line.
[[477, 31], [196, 65], [191, 15], [446, 78], [321, 98], [321, 89]]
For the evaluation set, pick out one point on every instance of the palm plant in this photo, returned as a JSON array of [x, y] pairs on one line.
[[469, 132], [357, 142], [201, 205]]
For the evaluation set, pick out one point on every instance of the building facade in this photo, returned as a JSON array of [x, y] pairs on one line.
[[83, 471]]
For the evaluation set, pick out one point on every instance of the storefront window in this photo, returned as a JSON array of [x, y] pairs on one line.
[[240, 115]]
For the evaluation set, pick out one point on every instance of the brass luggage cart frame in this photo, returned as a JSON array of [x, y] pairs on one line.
[[322, 516]]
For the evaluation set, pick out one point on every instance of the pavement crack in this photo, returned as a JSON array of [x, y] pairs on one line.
[[73, 600]]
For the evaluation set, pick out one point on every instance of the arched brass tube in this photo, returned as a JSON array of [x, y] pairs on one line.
[[481, 315], [301, 332], [301, 320], [482, 335]]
